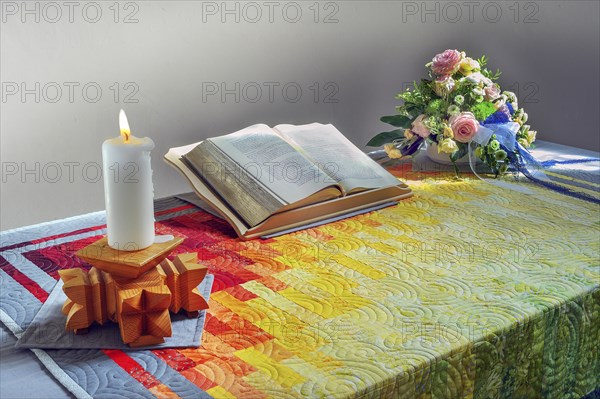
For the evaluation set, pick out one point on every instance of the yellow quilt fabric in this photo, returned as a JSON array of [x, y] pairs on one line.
[[464, 290]]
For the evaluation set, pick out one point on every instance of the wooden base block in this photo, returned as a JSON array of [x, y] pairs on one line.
[[142, 307], [85, 298], [128, 264], [183, 275]]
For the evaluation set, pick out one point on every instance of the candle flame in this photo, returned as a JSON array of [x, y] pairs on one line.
[[124, 126]]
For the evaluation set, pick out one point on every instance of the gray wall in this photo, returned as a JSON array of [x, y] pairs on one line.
[[349, 60]]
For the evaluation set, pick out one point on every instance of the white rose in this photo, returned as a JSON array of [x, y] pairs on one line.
[[447, 146]]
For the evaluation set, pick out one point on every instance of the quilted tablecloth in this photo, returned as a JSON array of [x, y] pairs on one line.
[[464, 290]]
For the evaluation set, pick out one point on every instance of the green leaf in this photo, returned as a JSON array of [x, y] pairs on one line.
[[461, 152], [482, 61], [385, 137], [414, 109], [397, 120]]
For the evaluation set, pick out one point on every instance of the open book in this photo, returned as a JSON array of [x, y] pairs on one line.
[[263, 180]]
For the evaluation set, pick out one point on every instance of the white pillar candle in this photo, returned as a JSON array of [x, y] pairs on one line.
[[128, 190]]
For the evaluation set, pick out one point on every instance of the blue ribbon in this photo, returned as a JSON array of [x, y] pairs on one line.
[[526, 160], [506, 134], [554, 162], [521, 159]]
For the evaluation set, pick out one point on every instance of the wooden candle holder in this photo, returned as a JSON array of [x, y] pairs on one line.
[[140, 305]]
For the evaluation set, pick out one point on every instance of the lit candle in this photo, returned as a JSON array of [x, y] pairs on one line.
[[128, 190]]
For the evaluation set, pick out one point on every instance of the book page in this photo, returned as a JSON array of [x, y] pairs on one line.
[[274, 162], [337, 156], [247, 196]]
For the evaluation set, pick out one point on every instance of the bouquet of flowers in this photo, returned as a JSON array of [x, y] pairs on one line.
[[460, 109]]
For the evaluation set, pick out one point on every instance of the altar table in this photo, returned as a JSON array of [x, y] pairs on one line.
[[464, 290]]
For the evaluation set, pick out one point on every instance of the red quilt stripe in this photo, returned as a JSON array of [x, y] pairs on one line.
[[25, 281], [132, 367], [175, 359], [72, 233], [13, 246]]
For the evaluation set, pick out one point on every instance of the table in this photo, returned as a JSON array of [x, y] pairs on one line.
[[361, 298]]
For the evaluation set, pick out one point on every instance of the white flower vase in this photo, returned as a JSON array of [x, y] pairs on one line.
[[442, 157]]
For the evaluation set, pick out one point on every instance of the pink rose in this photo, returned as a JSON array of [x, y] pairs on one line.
[[464, 126], [491, 92], [447, 63], [419, 128]]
